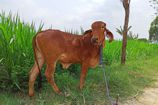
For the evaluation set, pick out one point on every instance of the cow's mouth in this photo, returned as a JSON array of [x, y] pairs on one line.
[[97, 42]]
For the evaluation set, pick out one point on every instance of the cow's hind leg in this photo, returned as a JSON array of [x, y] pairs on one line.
[[49, 73], [33, 74]]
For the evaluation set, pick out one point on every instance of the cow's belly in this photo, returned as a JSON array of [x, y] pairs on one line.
[[67, 59], [93, 62]]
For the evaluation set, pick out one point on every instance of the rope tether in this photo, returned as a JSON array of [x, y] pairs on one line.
[[105, 78]]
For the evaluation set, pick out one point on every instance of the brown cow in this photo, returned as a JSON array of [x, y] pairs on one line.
[[51, 46]]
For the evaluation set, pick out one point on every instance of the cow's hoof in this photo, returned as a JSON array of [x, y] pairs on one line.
[[81, 87], [60, 93], [31, 94]]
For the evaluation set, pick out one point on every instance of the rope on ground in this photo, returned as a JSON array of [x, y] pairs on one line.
[[105, 78]]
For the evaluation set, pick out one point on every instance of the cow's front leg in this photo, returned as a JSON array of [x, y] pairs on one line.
[[49, 73], [83, 74]]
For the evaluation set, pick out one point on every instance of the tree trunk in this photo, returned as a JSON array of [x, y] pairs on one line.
[[126, 4]]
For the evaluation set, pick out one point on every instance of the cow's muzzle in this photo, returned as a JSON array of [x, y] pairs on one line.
[[94, 40]]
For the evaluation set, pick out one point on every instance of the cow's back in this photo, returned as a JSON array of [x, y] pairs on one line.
[[50, 43], [55, 43]]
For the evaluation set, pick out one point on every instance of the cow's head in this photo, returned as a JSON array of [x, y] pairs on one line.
[[99, 32]]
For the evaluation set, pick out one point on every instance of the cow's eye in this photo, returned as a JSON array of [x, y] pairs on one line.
[[103, 27]]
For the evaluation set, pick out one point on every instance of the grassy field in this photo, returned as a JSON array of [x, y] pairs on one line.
[[125, 80], [16, 59]]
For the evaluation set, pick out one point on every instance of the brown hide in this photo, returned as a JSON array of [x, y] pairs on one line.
[[51, 46]]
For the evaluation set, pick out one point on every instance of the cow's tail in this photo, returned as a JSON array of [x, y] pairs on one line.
[[36, 61]]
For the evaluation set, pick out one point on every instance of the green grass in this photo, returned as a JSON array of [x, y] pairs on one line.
[[16, 54], [135, 50], [123, 80]]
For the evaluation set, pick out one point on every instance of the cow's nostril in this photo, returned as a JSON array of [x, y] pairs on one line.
[[94, 40]]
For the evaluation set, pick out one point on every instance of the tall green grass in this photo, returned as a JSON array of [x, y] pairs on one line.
[[16, 54], [135, 50], [15, 50]]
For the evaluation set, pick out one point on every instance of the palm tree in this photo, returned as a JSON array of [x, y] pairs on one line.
[[130, 34], [120, 31]]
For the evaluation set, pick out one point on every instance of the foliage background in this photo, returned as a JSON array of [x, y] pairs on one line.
[[153, 32], [16, 54]]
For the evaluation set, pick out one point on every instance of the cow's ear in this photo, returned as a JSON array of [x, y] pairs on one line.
[[87, 31], [109, 35]]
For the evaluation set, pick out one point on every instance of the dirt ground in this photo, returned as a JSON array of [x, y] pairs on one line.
[[148, 97]]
